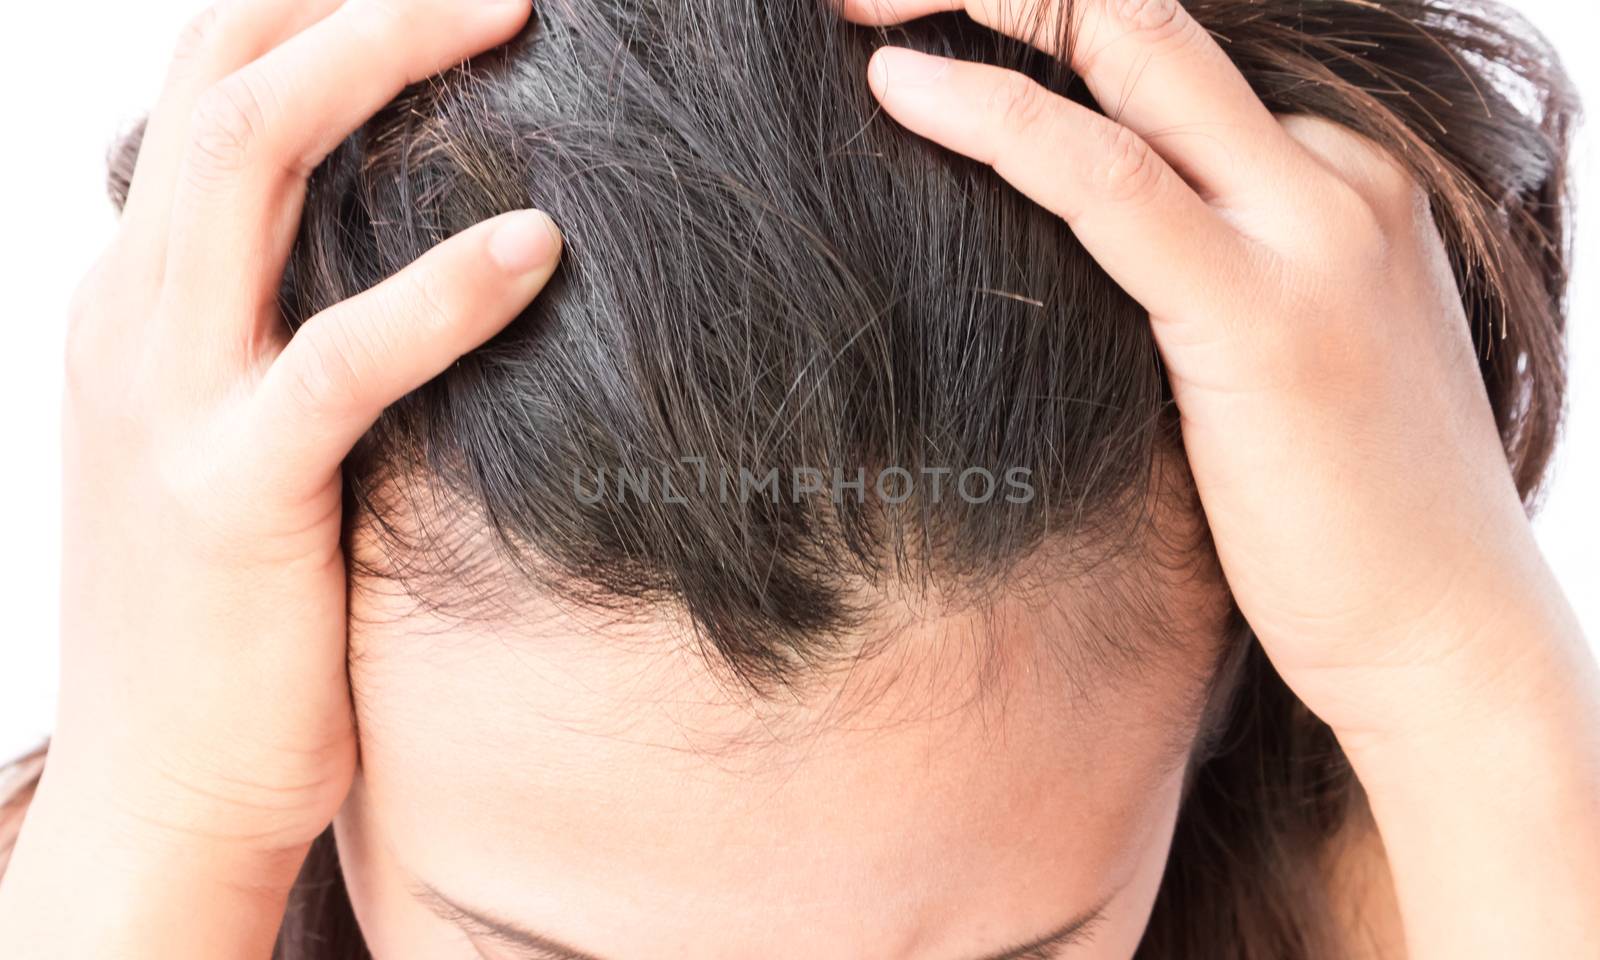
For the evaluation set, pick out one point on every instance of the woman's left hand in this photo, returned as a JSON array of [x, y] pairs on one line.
[[1332, 410], [1338, 429]]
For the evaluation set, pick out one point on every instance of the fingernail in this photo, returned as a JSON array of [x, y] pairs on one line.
[[526, 241], [909, 67]]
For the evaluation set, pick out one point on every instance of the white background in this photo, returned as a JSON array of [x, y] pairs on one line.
[[78, 73]]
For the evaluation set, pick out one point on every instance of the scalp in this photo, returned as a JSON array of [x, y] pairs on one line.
[[761, 273]]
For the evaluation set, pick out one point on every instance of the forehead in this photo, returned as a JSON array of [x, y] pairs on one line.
[[597, 781]]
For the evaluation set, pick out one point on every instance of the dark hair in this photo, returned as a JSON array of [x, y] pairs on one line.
[[764, 273]]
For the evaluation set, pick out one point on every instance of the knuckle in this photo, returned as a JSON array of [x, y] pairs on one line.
[[1152, 16], [1365, 173], [1395, 191], [325, 382], [1160, 23], [433, 306], [1352, 238], [1022, 104], [1353, 216], [1127, 169], [196, 36], [227, 125]]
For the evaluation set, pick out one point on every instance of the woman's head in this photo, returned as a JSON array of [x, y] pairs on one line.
[[618, 561], [981, 781], [813, 570]]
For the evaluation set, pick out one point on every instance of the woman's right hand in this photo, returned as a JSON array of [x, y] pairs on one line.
[[205, 734]]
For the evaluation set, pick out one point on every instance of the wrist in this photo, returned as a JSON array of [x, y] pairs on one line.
[[80, 884], [138, 848], [141, 833], [1514, 666], [186, 800], [1493, 763], [1498, 643]]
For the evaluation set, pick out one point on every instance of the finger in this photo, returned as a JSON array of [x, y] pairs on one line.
[[348, 363], [1382, 180], [1152, 233], [224, 38], [1154, 69], [260, 131]]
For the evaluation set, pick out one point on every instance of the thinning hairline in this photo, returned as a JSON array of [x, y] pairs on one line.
[[1127, 616]]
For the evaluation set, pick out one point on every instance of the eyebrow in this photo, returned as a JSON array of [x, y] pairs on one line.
[[1078, 930], [484, 924], [1075, 931]]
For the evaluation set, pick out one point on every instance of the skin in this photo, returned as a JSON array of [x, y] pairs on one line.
[[943, 798], [1337, 430]]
